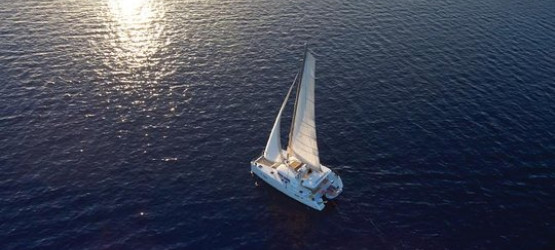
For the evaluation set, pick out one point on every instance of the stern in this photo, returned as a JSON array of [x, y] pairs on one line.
[[335, 188]]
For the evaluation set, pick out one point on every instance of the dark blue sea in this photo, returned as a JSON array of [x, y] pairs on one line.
[[130, 124]]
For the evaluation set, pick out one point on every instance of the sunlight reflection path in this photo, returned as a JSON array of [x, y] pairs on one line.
[[136, 30]]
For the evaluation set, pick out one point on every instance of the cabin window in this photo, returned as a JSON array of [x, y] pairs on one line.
[[283, 178]]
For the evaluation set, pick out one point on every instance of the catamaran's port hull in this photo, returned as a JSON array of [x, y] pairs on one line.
[[270, 176]]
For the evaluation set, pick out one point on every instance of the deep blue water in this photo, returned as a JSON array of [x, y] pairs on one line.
[[131, 124]]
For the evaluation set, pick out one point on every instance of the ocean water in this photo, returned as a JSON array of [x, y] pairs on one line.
[[130, 124]]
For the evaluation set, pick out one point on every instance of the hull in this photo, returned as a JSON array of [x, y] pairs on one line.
[[290, 189]]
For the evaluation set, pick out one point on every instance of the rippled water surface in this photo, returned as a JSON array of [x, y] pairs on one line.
[[130, 123]]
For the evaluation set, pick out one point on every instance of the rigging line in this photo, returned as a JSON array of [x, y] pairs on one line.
[[278, 119]]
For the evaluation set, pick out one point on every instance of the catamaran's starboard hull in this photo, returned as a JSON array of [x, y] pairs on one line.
[[270, 176]]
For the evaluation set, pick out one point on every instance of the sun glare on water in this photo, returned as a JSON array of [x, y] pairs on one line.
[[129, 8], [135, 34]]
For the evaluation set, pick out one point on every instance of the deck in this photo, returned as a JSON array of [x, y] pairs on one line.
[[265, 162]]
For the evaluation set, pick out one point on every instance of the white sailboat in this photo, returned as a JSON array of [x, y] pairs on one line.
[[297, 171]]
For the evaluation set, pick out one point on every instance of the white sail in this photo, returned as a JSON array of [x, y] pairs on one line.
[[302, 141], [273, 149]]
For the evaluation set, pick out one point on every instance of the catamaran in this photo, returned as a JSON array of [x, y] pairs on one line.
[[296, 171]]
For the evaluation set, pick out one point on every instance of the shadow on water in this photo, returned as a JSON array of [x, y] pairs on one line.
[[293, 219]]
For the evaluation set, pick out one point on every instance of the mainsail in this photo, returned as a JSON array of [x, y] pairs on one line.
[[273, 146], [302, 138]]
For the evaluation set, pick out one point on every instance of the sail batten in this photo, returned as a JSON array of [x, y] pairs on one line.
[[302, 142]]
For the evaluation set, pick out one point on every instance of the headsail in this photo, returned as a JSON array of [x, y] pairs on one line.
[[302, 141], [273, 149]]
